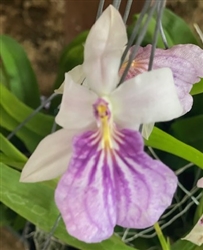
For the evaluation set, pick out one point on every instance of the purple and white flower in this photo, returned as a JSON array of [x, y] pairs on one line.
[[107, 179], [186, 63]]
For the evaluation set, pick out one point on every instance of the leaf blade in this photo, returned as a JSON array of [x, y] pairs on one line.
[[165, 142], [12, 115], [20, 76]]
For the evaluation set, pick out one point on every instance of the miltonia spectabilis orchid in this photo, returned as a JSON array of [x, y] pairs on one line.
[[107, 179], [186, 63]]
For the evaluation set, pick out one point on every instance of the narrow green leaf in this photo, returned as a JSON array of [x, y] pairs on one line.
[[189, 130], [15, 108], [185, 245], [28, 137], [13, 112], [18, 72], [35, 202], [175, 28], [150, 33], [10, 155], [11, 162], [8, 149], [71, 56], [78, 40], [71, 59], [199, 211], [165, 142]]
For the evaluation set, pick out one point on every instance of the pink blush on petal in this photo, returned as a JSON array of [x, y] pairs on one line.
[[200, 183]]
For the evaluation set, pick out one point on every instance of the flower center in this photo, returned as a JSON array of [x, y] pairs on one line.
[[122, 69], [103, 116], [136, 68]]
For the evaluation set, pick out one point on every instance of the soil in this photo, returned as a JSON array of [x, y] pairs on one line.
[[8, 241], [40, 27], [190, 10]]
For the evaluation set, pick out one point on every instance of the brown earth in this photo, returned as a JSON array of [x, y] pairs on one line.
[[38, 25], [9, 241]]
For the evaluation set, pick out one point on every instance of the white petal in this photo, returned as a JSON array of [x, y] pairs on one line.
[[196, 234], [51, 157], [77, 76], [76, 110], [147, 129], [149, 97], [103, 50], [200, 183]]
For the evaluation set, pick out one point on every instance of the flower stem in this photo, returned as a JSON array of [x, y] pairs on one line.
[[165, 245]]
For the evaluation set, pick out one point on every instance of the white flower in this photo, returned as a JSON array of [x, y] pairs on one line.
[[107, 179]]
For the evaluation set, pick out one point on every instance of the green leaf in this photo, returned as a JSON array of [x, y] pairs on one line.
[[8, 149], [189, 130], [71, 56], [28, 137], [78, 40], [165, 142], [185, 245], [199, 211], [13, 112], [17, 70], [197, 88], [7, 216], [11, 162], [175, 28], [11, 155], [150, 33], [35, 202], [74, 58]]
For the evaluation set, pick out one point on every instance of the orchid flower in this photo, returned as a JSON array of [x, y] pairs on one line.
[[107, 179], [186, 63]]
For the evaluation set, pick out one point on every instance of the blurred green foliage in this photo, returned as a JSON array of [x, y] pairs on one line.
[[17, 73]]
